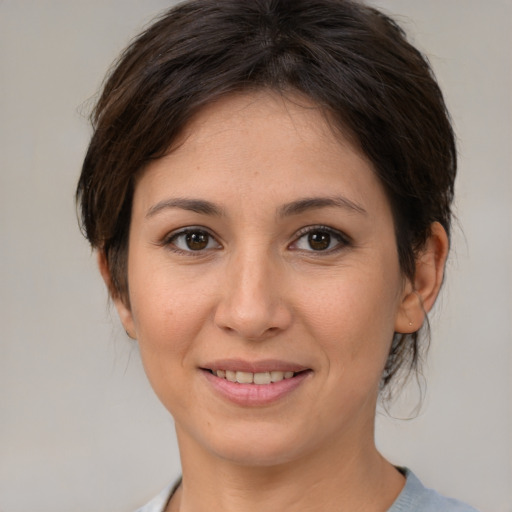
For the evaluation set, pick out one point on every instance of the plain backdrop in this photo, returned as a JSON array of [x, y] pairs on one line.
[[80, 430]]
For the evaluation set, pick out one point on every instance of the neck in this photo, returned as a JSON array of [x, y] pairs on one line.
[[340, 478]]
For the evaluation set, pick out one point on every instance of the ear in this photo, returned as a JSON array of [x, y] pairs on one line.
[[420, 294], [122, 306]]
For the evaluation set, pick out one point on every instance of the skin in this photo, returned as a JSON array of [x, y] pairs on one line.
[[258, 290]]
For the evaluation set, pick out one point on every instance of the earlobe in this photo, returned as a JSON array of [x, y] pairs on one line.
[[123, 309], [420, 295]]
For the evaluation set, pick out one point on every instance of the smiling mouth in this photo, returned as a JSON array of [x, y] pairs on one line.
[[260, 378], [267, 383]]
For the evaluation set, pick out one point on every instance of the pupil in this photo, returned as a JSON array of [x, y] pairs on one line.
[[319, 240], [197, 240]]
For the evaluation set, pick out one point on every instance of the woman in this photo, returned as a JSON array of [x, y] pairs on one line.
[[269, 189]]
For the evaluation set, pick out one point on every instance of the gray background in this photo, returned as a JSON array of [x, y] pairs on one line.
[[80, 430]]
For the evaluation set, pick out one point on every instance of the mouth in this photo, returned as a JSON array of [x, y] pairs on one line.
[[258, 378], [254, 384]]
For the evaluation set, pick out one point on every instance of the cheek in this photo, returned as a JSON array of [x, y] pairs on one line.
[[353, 318], [168, 312], [167, 322]]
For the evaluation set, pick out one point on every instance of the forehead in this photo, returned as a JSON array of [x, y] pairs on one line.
[[292, 113], [261, 143]]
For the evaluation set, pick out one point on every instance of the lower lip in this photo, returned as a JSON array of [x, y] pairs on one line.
[[253, 395]]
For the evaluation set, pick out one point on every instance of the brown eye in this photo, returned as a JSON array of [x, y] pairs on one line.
[[192, 240], [197, 240], [319, 240]]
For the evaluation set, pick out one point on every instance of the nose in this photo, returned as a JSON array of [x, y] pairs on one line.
[[253, 304]]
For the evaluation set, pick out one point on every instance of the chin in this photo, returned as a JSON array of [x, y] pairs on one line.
[[255, 445], [257, 454]]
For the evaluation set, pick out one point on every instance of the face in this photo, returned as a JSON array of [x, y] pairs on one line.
[[262, 251]]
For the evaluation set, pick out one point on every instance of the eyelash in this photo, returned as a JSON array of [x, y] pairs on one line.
[[341, 239]]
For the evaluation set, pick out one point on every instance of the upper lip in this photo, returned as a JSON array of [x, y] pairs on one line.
[[264, 365]]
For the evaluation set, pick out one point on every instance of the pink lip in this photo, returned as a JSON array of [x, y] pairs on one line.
[[254, 395], [266, 365]]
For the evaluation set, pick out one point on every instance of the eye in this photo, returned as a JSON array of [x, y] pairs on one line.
[[192, 240], [319, 239]]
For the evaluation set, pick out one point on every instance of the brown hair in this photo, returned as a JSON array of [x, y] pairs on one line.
[[351, 59]]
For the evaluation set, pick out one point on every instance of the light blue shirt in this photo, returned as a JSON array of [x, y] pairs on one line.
[[413, 498]]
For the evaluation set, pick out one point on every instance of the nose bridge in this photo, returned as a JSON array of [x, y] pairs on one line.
[[252, 304]]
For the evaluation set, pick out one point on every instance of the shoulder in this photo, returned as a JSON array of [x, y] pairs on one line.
[[415, 497]]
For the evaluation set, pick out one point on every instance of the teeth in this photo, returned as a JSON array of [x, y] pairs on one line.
[[259, 378], [262, 378], [244, 377], [276, 376]]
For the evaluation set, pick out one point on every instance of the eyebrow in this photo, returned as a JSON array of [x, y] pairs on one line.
[[194, 205], [204, 207], [311, 203]]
